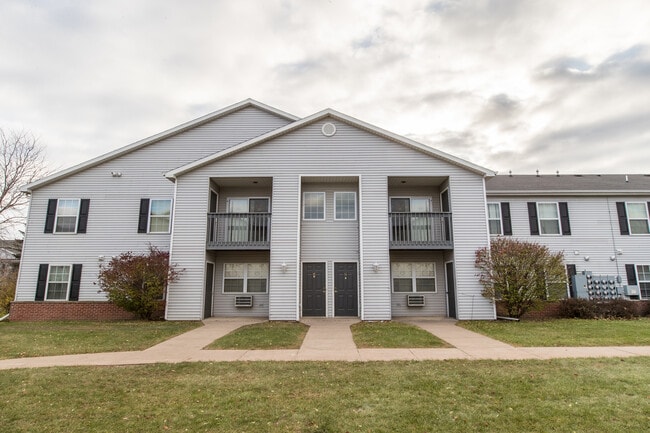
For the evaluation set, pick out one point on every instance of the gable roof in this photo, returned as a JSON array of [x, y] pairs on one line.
[[569, 184], [154, 138], [173, 174]]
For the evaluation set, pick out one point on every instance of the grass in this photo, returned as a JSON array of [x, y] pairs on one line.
[[566, 332], [586, 395], [24, 339], [392, 335], [267, 335]]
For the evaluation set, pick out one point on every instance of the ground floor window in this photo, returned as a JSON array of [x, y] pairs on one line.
[[245, 277], [643, 276], [413, 277], [58, 282]]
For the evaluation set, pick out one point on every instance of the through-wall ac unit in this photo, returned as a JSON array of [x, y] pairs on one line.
[[415, 300], [244, 301]]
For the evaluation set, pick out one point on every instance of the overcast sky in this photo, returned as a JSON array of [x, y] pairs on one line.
[[510, 85]]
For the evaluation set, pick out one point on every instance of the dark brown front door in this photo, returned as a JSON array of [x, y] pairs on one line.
[[345, 289], [313, 289], [209, 281]]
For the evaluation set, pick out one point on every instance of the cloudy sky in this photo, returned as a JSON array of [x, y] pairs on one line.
[[510, 85]]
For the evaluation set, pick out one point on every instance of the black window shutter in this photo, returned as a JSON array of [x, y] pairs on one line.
[[41, 282], [564, 218], [571, 271], [622, 217], [75, 283], [505, 219], [144, 215], [532, 218], [631, 275], [83, 215], [51, 214]]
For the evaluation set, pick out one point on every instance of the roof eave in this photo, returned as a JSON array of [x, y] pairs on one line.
[[548, 193], [154, 138]]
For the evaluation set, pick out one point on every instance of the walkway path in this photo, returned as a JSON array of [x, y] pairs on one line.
[[326, 340]]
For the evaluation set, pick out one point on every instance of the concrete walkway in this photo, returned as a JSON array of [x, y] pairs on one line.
[[326, 340]]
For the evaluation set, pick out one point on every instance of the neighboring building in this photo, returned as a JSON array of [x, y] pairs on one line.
[[601, 222], [267, 215], [274, 216]]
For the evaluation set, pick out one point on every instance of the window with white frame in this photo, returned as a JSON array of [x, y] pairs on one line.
[[58, 283], [313, 206], [494, 218], [245, 277], [67, 212], [160, 212], [345, 205], [643, 279], [637, 216], [413, 277], [549, 218]]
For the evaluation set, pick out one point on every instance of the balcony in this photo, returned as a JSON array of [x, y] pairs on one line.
[[420, 230], [239, 231]]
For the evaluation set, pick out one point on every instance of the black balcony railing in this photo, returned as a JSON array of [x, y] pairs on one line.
[[231, 231], [420, 230]]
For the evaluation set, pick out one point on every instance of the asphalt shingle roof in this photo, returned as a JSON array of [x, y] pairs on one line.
[[569, 182]]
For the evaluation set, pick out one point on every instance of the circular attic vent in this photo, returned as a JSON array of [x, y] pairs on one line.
[[328, 129]]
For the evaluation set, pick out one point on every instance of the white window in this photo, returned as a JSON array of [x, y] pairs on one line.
[[637, 216], [643, 279], [549, 218], [67, 212], [160, 212], [58, 283], [313, 206], [345, 205], [413, 277], [494, 218], [245, 277]]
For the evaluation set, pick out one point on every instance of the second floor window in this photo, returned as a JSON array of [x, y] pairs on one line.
[[494, 218], [66, 216], [549, 218], [637, 214], [345, 204], [160, 216], [313, 206]]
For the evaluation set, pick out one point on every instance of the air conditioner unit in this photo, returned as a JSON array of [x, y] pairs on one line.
[[415, 300], [243, 301], [631, 290]]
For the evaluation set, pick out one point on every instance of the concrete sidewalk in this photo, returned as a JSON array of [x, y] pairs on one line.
[[326, 340]]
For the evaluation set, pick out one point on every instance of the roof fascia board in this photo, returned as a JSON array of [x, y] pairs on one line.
[[550, 193], [154, 138], [172, 174]]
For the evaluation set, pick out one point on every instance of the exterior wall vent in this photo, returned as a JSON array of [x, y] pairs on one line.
[[243, 301], [415, 300], [328, 129]]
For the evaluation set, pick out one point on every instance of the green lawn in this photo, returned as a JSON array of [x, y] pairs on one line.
[[586, 395], [267, 335], [23, 339], [566, 332], [392, 335]]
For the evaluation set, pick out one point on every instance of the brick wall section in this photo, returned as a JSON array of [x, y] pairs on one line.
[[41, 311], [550, 310]]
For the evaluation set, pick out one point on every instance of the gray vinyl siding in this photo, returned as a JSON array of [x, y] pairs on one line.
[[224, 303], [114, 202], [351, 152], [595, 232], [468, 207], [435, 303]]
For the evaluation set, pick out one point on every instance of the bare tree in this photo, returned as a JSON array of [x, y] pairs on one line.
[[22, 161]]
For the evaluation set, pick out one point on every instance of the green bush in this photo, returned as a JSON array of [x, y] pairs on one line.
[[8, 276], [595, 309]]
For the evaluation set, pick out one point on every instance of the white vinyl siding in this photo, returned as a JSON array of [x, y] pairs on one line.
[[58, 283], [494, 218], [67, 213], [637, 215], [160, 216], [549, 218]]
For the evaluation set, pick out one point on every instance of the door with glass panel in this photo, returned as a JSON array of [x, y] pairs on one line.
[[249, 222], [411, 219]]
